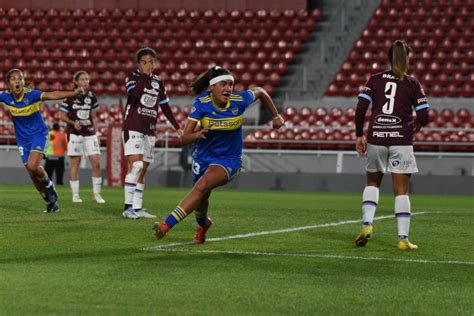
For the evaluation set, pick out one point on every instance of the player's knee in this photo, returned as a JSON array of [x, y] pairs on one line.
[[134, 174], [32, 167], [203, 186]]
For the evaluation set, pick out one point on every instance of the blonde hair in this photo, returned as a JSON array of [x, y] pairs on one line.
[[398, 58]]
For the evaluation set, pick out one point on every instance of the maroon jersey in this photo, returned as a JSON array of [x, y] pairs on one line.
[[144, 95], [393, 102], [80, 108]]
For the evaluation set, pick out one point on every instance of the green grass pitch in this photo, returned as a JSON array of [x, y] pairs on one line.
[[86, 259]]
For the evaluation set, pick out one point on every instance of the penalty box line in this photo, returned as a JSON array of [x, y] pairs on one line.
[[311, 255], [272, 232]]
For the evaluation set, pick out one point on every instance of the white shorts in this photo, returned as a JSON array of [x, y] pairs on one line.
[[136, 143], [395, 159], [83, 145]]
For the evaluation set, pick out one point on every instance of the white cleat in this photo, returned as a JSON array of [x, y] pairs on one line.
[[76, 198], [98, 199], [143, 214], [130, 214]]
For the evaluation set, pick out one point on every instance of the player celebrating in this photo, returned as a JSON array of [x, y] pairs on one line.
[[145, 92], [31, 131], [218, 155], [79, 112], [389, 145]]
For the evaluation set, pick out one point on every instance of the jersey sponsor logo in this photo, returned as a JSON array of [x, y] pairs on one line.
[[365, 89], [222, 124], [148, 100], [147, 112], [422, 100], [82, 114], [387, 134], [384, 119], [150, 91], [87, 100], [24, 111]]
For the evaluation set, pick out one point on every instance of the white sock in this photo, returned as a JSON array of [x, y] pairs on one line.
[[96, 184], [370, 199], [129, 189], [74, 186], [403, 214], [138, 196]]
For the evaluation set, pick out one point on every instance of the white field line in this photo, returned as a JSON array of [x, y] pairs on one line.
[[272, 232], [311, 255]]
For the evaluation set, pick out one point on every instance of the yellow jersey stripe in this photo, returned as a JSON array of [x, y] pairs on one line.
[[24, 111]]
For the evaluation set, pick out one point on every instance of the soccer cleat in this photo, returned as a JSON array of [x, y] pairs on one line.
[[365, 234], [143, 214], [98, 199], [160, 230], [51, 194], [406, 245], [130, 213], [200, 236], [76, 198], [51, 208]]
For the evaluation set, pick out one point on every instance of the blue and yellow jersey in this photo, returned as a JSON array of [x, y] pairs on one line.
[[224, 138], [25, 113]]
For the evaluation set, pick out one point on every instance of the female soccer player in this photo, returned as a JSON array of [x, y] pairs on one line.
[[218, 154], [79, 112], [31, 131], [389, 144], [145, 92]]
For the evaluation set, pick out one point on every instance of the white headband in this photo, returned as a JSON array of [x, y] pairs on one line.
[[220, 78]]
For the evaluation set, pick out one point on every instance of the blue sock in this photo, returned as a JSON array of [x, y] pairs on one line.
[[176, 216]]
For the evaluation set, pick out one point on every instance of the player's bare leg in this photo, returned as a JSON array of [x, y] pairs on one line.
[[214, 177]]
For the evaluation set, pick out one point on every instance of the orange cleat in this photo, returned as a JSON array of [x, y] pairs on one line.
[[160, 230], [200, 236]]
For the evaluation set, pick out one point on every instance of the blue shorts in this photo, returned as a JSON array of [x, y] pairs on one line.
[[35, 143], [230, 165]]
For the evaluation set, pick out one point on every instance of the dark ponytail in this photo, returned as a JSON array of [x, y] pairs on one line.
[[202, 82], [397, 56]]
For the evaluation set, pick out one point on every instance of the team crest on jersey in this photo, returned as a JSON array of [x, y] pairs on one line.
[[87, 100], [193, 109], [155, 85], [235, 111]]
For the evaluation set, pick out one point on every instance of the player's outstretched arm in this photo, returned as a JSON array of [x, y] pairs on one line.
[[57, 95], [190, 136], [267, 101]]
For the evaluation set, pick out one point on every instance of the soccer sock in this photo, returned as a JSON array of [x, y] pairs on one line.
[[74, 186], [46, 181], [370, 199], [176, 216], [201, 214], [96, 184], [129, 190], [403, 214], [138, 196]]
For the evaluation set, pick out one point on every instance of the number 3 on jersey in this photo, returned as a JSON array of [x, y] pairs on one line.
[[195, 168], [391, 88]]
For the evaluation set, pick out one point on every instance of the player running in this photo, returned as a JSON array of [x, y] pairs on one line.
[[31, 131], [389, 144], [218, 155]]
